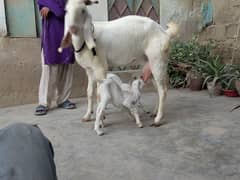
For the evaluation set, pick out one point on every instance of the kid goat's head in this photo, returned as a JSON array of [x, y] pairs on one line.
[[138, 84]]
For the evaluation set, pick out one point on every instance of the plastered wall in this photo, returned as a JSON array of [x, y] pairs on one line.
[[20, 67], [20, 71]]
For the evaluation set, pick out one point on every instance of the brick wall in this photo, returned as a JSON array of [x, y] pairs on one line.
[[211, 19], [225, 29]]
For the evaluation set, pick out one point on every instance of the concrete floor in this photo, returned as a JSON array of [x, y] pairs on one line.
[[201, 140]]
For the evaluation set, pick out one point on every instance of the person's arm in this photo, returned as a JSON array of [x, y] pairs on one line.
[[53, 7]]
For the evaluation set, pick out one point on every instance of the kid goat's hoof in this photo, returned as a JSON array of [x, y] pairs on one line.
[[140, 125], [86, 119]]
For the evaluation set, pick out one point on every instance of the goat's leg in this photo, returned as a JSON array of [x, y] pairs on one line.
[[155, 110], [100, 75], [154, 114], [100, 109], [134, 112], [130, 114], [90, 92], [103, 116], [158, 63], [162, 93]]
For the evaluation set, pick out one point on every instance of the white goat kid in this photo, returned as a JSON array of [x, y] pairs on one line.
[[121, 95], [116, 43]]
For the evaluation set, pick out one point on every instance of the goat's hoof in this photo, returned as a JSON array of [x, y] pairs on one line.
[[86, 119], [100, 133], [140, 125], [157, 124], [153, 115]]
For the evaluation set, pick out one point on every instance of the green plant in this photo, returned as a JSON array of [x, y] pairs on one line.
[[177, 78], [185, 57], [228, 84], [233, 72], [214, 70], [190, 52]]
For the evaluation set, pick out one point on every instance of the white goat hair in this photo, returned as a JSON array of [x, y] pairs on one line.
[[111, 92], [127, 40]]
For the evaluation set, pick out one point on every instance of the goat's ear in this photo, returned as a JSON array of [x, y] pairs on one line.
[[88, 33], [90, 2], [66, 41]]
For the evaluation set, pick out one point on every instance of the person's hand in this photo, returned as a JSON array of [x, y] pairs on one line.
[[44, 12]]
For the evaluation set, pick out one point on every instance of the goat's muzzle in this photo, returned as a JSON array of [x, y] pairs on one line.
[[73, 29]]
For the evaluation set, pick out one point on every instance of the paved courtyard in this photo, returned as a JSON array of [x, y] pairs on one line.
[[201, 140]]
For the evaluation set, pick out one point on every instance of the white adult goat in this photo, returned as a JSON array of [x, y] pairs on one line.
[[115, 43], [121, 95]]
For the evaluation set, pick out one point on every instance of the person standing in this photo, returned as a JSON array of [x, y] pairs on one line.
[[57, 68]]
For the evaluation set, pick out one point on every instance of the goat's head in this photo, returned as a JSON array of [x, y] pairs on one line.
[[78, 22], [138, 84]]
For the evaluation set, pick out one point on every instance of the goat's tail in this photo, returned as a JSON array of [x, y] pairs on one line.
[[172, 29]]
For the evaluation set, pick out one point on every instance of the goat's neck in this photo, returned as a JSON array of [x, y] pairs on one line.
[[77, 41], [136, 92]]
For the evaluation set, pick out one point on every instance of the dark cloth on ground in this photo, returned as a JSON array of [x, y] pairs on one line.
[[25, 154]]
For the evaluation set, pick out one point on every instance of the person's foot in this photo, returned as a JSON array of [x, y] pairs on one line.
[[41, 110], [67, 105]]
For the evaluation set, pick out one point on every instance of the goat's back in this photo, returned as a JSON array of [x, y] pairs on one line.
[[115, 78], [124, 40], [111, 92], [129, 22]]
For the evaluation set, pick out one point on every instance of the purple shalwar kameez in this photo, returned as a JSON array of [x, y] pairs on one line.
[[57, 68], [52, 33]]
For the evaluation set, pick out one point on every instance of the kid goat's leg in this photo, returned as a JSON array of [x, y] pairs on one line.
[[101, 106], [133, 110]]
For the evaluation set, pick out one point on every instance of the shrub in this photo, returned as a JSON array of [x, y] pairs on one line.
[[186, 56]]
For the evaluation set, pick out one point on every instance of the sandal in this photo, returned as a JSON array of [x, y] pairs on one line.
[[67, 105], [41, 110]]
